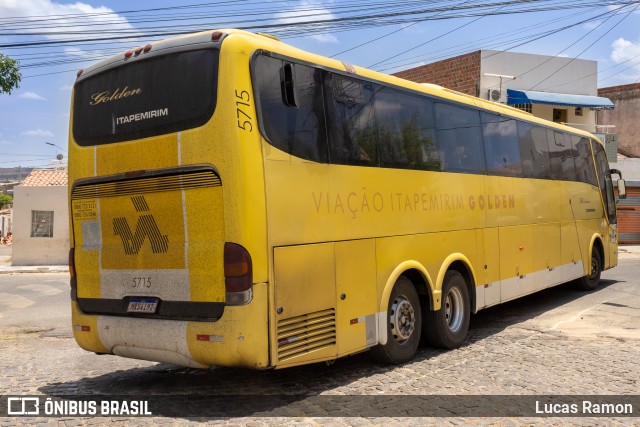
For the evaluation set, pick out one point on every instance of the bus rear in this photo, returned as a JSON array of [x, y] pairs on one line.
[[162, 207]]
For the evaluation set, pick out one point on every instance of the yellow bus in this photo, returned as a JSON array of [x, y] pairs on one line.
[[236, 201]]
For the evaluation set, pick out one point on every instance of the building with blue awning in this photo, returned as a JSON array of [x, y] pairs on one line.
[[560, 89]]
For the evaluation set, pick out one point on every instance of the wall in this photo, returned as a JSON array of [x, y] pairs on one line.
[[461, 73], [585, 122], [29, 250], [537, 72], [624, 117]]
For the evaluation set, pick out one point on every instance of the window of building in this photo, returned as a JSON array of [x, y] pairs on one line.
[[524, 107], [578, 111], [41, 223]]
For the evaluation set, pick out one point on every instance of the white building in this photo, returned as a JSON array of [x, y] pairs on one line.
[[559, 89], [41, 219]]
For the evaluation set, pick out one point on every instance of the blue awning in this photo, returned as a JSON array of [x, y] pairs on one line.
[[565, 99]]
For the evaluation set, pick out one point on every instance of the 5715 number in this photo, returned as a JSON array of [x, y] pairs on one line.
[[244, 120]]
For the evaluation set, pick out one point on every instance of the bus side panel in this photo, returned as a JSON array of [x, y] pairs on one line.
[[356, 304], [430, 250], [305, 301]]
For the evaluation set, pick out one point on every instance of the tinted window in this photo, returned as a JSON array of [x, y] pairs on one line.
[[585, 170], [350, 121], [406, 131], [459, 139], [534, 150], [604, 181], [296, 128], [561, 155], [501, 145], [146, 97]]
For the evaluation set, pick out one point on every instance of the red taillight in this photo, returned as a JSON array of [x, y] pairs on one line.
[[147, 48], [72, 262], [238, 274], [138, 50], [128, 54], [217, 35]]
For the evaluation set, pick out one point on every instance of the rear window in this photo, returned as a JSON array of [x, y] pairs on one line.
[[145, 98]]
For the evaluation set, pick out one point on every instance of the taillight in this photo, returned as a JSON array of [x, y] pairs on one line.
[[215, 36], [128, 54], [79, 73], [238, 274], [72, 262], [72, 272]]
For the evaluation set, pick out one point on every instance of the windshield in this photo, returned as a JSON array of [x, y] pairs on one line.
[[148, 97]]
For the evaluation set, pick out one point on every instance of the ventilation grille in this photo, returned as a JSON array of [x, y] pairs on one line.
[[147, 185], [303, 334]]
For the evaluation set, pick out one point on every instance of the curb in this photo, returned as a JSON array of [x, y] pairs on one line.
[[34, 269]]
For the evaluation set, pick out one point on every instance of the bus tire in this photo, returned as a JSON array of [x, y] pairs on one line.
[[591, 282], [448, 326], [404, 325]]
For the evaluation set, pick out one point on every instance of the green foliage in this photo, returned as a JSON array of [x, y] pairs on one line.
[[9, 74], [5, 200]]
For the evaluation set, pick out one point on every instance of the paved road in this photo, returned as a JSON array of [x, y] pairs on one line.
[[558, 341]]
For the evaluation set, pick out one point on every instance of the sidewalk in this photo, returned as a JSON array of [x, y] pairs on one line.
[[7, 268]]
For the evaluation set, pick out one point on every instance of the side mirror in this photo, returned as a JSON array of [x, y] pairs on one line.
[[622, 187]]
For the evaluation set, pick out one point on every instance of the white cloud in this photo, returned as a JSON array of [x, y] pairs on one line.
[[38, 132], [625, 50], [93, 19], [301, 13], [32, 95], [66, 88], [5, 142]]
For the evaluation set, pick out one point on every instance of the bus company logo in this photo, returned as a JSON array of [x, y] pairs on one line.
[[146, 228], [23, 406], [108, 96]]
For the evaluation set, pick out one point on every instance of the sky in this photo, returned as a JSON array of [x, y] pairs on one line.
[[45, 37]]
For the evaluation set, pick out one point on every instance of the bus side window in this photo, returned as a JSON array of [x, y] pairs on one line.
[[406, 131], [459, 139], [562, 166], [585, 169], [604, 180], [292, 117], [501, 145], [534, 150], [350, 121]]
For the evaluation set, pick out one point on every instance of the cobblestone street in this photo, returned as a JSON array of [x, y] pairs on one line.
[[559, 341]]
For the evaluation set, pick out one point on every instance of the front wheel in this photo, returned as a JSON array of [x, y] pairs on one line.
[[404, 325], [448, 326], [590, 282]]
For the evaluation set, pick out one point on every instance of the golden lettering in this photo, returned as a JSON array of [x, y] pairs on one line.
[[119, 93]]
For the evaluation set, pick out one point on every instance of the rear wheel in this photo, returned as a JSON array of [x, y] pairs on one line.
[[448, 326], [591, 282], [404, 325]]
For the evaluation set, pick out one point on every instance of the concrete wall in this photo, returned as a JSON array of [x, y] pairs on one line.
[[461, 73], [29, 250], [630, 168], [537, 72], [624, 117]]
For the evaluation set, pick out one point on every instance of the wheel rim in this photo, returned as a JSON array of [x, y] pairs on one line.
[[595, 267], [402, 319], [453, 310]]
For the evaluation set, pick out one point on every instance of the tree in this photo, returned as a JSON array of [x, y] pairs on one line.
[[9, 74], [5, 200]]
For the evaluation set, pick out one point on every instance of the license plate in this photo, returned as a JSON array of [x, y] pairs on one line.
[[142, 305]]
